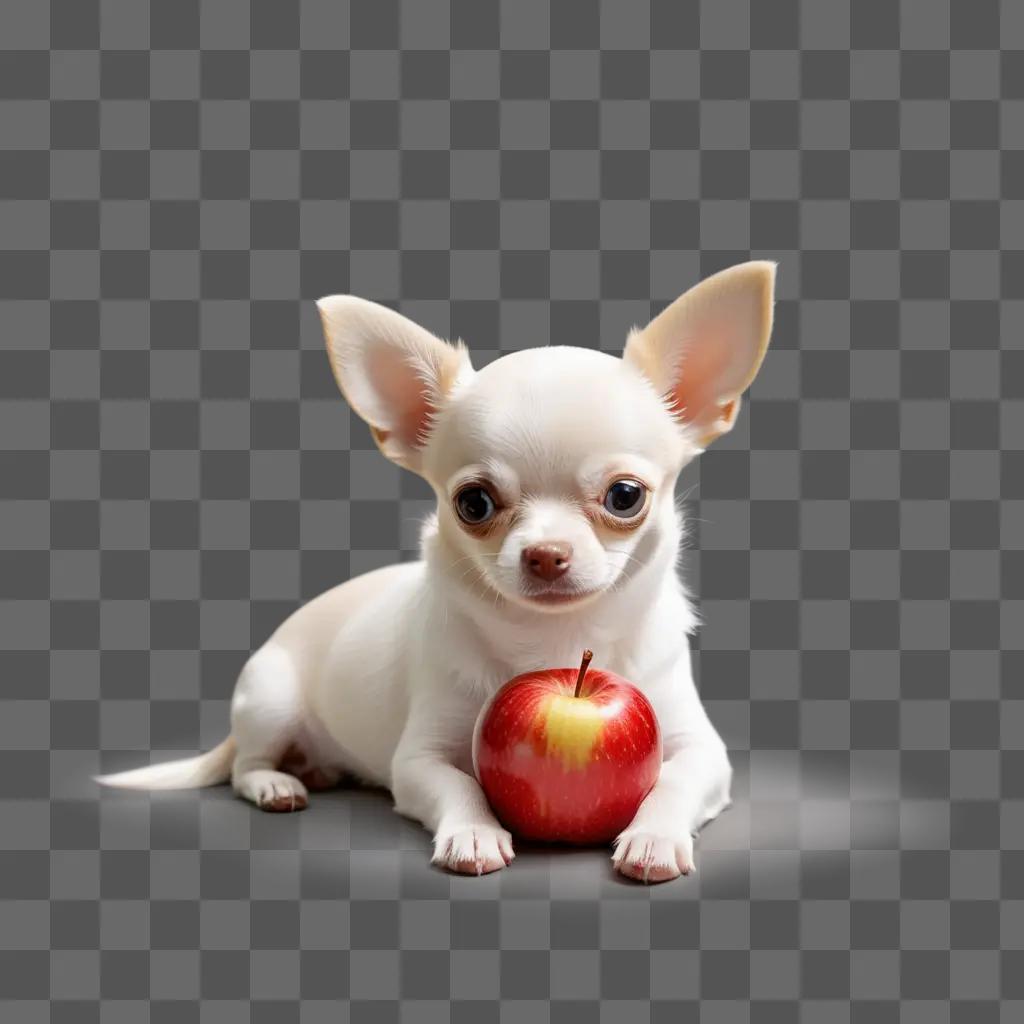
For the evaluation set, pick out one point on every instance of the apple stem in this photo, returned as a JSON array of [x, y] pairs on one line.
[[584, 665]]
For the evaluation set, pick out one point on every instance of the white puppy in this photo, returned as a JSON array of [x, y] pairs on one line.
[[556, 529]]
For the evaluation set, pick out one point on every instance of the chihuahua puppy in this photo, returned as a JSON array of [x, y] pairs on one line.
[[556, 529]]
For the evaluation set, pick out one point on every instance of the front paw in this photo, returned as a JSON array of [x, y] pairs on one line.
[[473, 850], [653, 856]]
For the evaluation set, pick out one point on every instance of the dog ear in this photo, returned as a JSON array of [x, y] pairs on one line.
[[394, 373], [704, 350]]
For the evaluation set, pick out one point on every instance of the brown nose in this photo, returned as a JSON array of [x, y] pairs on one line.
[[547, 561]]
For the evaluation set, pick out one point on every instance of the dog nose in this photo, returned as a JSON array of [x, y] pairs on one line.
[[547, 561]]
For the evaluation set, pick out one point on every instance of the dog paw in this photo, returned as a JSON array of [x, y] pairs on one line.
[[476, 850], [273, 791], [652, 857]]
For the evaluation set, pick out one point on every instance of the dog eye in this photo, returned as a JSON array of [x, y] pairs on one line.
[[474, 505], [625, 498]]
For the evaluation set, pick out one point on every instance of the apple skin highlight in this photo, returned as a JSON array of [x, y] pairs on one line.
[[563, 768]]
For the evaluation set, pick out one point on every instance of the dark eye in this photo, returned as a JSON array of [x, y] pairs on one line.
[[625, 498], [474, 505]]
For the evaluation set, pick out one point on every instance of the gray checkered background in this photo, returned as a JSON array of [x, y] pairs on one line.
[[178, 182]]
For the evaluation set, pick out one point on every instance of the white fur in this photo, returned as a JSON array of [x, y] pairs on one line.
[[385, 675]]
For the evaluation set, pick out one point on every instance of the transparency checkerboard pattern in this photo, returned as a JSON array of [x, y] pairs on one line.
[[178, 182]]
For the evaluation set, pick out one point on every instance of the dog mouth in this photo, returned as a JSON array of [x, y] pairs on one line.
[[554, 596], [558, 597]]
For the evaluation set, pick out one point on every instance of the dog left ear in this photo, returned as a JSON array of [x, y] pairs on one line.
[[704, 350], [394, 373]]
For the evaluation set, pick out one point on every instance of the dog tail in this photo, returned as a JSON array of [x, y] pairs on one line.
[[207, 769]]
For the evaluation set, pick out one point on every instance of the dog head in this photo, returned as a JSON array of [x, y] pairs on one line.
[[554, 467]]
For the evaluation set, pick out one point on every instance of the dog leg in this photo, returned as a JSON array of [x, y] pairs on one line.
[[467, 837], [265, 714], [693, 788], [268, 789], [429, 784]]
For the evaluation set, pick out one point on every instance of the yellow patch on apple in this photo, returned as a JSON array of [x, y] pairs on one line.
[[572, 727]]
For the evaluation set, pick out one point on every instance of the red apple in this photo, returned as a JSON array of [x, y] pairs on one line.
[[567, 756]]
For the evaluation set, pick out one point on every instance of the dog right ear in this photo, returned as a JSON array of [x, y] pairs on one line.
[[704, 350], [394, 373]]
